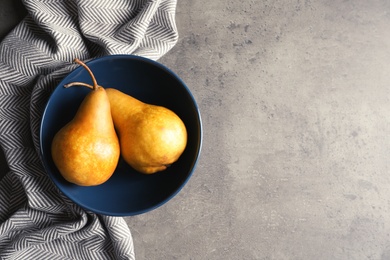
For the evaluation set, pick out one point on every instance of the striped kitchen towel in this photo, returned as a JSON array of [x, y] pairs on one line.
[[36, 220]]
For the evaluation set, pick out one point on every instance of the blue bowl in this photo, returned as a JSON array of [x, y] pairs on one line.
[[127, 192]]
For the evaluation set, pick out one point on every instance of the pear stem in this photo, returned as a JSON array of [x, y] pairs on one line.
[[79, 84], [95, 85]]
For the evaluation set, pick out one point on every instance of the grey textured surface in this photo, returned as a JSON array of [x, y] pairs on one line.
[[295, 100]]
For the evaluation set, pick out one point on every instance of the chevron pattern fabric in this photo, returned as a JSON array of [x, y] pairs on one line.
[[36, 220]]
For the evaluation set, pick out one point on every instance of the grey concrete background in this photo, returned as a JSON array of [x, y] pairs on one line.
[[295, 99]]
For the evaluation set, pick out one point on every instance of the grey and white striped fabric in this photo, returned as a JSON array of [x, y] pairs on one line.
[[36, 220]]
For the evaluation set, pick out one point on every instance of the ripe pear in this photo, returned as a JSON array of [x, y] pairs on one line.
[[151, 137], [86, 150]]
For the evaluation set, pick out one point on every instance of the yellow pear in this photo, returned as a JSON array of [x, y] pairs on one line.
[[151, 137], [86, 151]]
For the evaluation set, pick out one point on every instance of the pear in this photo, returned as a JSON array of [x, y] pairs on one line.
[[86, 150], [151, 137]]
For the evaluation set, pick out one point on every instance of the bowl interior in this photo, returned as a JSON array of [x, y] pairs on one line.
[[127, 192]]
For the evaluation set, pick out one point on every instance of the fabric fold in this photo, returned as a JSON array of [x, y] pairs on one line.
[[36, 220]]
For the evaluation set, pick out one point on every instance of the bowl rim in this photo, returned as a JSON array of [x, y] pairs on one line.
[[199, 134]]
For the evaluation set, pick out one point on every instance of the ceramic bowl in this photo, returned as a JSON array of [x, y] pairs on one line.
[[127, 192]]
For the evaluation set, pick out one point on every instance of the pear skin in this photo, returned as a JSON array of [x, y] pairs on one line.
[[86, 151], [151, 137]]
